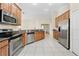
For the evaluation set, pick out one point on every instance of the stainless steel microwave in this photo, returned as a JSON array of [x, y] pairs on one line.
[[7, 18]]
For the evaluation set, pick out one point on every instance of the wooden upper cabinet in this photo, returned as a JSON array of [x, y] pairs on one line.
[[56, 22], [13, 9], [62, 17], [18, 14], [4, 6], [10, 7], [7, 7], [66, 15], [16, 11]]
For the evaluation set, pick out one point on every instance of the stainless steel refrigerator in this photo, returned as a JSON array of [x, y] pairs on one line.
[[64, 37]]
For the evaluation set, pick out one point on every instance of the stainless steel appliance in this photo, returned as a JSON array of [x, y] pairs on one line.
[[14, 38], [64, 37], [4, 33], [15, 43], [7, 18], [30, 37]]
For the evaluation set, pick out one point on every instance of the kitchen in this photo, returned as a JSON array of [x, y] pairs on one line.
[[26, 24]]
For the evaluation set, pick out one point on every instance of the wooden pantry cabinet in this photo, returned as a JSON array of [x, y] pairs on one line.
[[4, 48], [12, 9], [62, 17]]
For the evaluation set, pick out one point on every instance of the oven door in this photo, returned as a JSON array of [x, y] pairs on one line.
[[15, 44]]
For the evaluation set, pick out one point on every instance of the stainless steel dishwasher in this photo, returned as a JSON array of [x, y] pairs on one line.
[[30, 37]]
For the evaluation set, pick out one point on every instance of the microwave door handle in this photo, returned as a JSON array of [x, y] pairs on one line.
[[59, 29]]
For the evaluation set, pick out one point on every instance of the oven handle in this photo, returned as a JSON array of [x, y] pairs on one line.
[[13, 37]]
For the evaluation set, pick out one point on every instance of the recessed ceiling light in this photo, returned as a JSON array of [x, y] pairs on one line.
[[45, 9], [34, 4], [50, 4]]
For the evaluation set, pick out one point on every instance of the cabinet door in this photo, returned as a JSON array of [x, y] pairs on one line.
[[56, 22], [66, 15], [16, 12], [18, 16], [7, 7], [24, 39], [41, 35], [4, 6], [0, 52], [10, 7], [36, 36], [14, 9], [5, 50]]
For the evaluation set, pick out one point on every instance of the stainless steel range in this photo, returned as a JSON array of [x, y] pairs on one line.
[[15, 43], [14, 38]]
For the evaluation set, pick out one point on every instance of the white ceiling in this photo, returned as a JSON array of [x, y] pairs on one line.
[[40, 10]]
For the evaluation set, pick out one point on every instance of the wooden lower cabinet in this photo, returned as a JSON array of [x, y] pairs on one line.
[[55, 34], [4, 48], [0, 52], [39, 35], [5, 51], [24, 39]]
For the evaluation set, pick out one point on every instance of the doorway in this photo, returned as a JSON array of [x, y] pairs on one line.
[[46, 28]]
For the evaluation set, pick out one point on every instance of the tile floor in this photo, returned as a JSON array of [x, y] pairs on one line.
[[46, 47]]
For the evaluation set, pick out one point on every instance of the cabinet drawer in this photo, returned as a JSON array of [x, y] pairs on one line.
[[3, 43]]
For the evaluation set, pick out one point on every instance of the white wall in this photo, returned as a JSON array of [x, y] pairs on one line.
[[33, 22], [52, 23], [62, 9], [74, 16]]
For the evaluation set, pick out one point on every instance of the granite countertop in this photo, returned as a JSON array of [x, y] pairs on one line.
[[2, 39], [15, 33]]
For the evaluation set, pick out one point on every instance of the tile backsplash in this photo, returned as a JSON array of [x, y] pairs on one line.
[[2, 26]]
